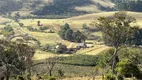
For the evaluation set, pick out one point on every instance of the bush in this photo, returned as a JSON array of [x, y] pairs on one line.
[[48, 48], [43, 28], [20, 77], [32, 29], [45, 77], [51, 78], [21, 24], [128, 69], [60, 73], [120, 77], [8, 28], [51, 31], [84, 26], [110, 76], [61, 48]]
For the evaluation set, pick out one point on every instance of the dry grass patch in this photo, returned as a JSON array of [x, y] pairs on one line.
[[41, 55], [94, 50]]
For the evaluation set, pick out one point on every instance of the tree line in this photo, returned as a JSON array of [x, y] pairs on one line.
[[129, 5], [67, 33]]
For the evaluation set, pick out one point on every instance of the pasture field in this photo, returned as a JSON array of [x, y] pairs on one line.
[[77, 21], [89, 51], [74, 22], [74, 65]]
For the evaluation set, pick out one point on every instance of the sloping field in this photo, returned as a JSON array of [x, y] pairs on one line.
[[48, 38], [41, 55], [77, 21], [94, 50], [94, 7], [90, 17], [88, 51], [137, 15], [3, 20]]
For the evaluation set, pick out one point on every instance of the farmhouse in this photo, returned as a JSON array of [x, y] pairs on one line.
[[81, 45], [89, 44]]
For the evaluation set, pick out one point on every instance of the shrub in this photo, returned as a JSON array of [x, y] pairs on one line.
[[61, 48], [43, 28], [51, 31], [52, 78], [8, 28], [45, 77], [128, 69], [21, 24], [48, 48], [60, 73], [120, 77], [32, 29], [110, 76], [84, 26], [20, 77]]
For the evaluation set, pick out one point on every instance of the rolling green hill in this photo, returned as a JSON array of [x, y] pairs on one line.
[[65, 8], [55, 7]]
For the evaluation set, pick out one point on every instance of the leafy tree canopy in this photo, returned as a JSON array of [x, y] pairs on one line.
[[15, 58]]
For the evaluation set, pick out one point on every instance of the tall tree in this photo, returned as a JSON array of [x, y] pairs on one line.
[[15, 58], [79, 37], [68, 35], [116, 31], [51, 62], [138, 37], [17, 16], [63, 30]]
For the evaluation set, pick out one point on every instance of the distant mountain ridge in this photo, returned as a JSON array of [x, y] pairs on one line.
[[68, 7], [75, 7], [56, 6]]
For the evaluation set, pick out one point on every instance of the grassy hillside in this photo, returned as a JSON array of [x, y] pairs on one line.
[[48, 8], [76, 65], [67, 6], [74, 22], [95, 16], [64, 8], [136, 15], [95, 6]]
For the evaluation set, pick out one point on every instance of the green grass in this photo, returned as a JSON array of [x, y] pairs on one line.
[[81, 60], [69, 70], [75, 65], [75, 23]]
